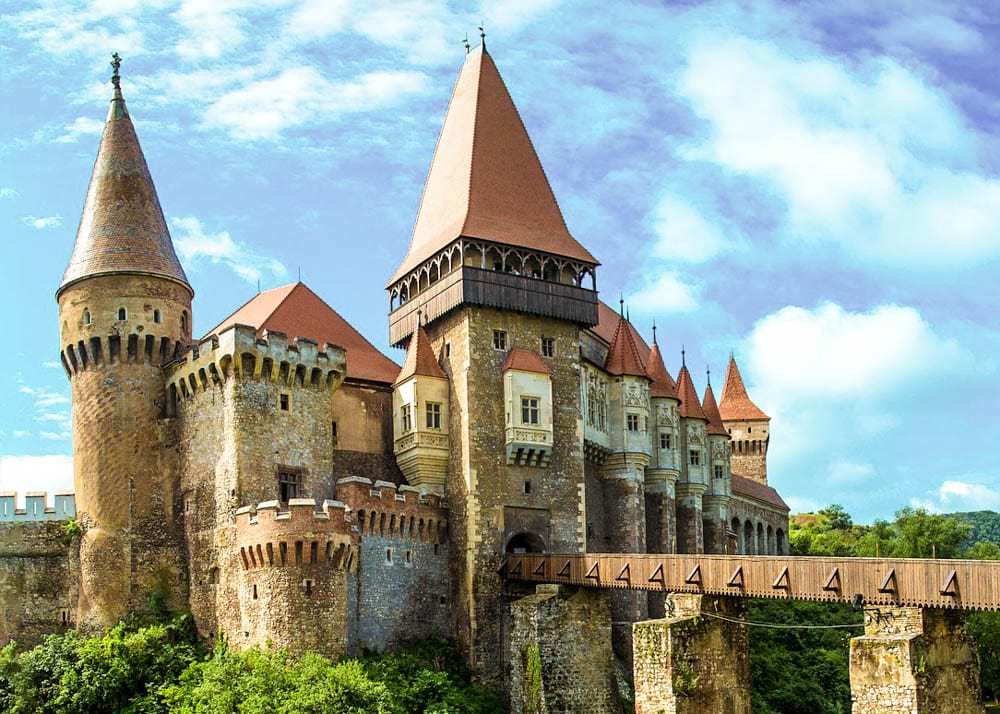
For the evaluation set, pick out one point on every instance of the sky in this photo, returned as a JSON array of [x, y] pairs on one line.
[[813, 186]]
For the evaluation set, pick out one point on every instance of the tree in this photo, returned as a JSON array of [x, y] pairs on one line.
[[836, 517]]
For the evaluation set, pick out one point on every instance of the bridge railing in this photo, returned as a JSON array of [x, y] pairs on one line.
[[910, 582]]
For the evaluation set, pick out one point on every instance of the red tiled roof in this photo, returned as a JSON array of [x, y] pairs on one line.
[[736, 404], [662, 383], [623, 354], [526, 361], [485, 180], [420, 359], [298, 312], [607, 325], [708, 405], [690, 406], [743, 486]]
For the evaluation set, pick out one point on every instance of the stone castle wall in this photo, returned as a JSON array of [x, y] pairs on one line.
[[364, 433]]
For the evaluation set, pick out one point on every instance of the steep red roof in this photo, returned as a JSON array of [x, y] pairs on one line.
[[486, 180], [298, 312], [623, 354], [526, 361], [736, 404], [662, 383], [690, 406], [420, 359], [743, 486], [708, 405], [607, 325]]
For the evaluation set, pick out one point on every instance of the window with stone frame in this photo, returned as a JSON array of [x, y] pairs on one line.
[[548, 347], [632, 422], [289, 485], [433, 415], [499, 340], [719, 471], [665, 440], [529, 410], [284, 402], [694, 457], [333, 434], [406, 418]]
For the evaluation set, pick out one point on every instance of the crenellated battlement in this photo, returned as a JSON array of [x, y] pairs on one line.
[[385, 509], [36, 507], [299, 536], [239, 352], [132, 348]]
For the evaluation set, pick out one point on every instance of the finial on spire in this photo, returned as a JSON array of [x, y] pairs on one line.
[[683, 362], [300, 273], [654, 332], [708, 375], [466, 44], [621, 304], [628, 315], [420, 317], [482, 35], [116, 64]]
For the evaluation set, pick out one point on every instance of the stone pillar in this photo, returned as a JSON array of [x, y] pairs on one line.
[[625, 519], [661, 523], [560, 653], [691, 662], [690, 533], [715, 513], [914, 660]]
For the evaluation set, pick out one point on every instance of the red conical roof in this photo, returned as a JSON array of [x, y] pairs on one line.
[[420, 359], [662, 383], [690, 406], [525, 361], [122, 229], [708, 405], [623, 354], [486, 180], [736, 404]]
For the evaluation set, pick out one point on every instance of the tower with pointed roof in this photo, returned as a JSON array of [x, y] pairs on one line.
[[747, 425], [124, 312], [693, 482], [664, 469], [716, 500]]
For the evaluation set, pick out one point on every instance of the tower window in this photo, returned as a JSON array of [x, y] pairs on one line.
[[406, 418], [548, 347], [664, 440], [527, 487], [157, 318], [388, 556], [433, 415], [333, 433], [283, 402], [694, 457], [499, 340], [289, 486], [184, 322], [719, 471], [749, 429], [529, 410], [86, 317], [122, 313], [632, 422], [447, 349], [409, 557], [308, 585], [255, 591]]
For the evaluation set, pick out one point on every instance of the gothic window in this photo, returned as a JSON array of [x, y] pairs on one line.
[[122, 313], [632, 421], [694, 457], [529, 410], [499, 340], [157, 317], [664, 440], [548, 347], [289, 486], [433, 415], [406, 418]]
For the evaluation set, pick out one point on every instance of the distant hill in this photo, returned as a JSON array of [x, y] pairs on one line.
[[985, 526]]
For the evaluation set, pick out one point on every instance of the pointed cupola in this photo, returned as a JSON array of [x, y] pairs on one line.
[[420, 360], [122, 229], [711, 411], [623, 355], [663, 385], [736, 404], [690, 406]]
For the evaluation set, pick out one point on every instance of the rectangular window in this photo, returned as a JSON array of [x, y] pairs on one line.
[[283, 402], [529, 410], [694, 457], [447, 349], [632, 422], [333, 433], [664, 440], [527, 487], [406, 418], [289, 486], [499, 340], [433, 415], [719, 471], [548, 347]]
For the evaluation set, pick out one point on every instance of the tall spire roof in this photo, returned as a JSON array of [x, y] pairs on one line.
[[736, 404], [690, 406], [420, 359], [662, 383], [486, 180], [122, 229], [711, 410], [623, 354]]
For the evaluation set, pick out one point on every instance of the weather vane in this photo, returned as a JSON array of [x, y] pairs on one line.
[[465, 42], [116, 63], [482, 34], [683, 362], [654, 332], [708, 374]]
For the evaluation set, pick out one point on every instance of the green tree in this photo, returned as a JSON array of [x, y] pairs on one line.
[[919, 534]]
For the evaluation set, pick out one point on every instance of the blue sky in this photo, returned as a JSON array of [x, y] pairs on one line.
[[814, 186]]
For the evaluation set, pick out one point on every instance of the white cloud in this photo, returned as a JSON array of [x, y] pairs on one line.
[[195, 244], [51, 364], [36, 473], [43, 222], [846, 472], [81, 126], [665, 293], [799, 504], [956, 495], [684, 234], [8, 192], [44, 397]]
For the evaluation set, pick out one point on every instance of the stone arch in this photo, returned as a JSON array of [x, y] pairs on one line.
[[735, 526], [748, 544], [779, 537], [771, 549], [761, 545], [525, 542]]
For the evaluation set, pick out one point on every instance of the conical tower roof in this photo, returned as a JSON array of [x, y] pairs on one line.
[[711, 410], [420, 359], [736, 404], [486, 180], [623, 354], [662, 383], [690, 406], [122, 229]]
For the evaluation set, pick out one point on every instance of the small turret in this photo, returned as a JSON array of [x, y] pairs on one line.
[[664, 468], [715, 503], [628, 394], [747, 425], [693, 482]]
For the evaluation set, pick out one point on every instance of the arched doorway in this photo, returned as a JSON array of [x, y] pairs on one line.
[[525, 543]]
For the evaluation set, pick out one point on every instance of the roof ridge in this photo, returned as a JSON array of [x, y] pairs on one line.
[[249, 300]]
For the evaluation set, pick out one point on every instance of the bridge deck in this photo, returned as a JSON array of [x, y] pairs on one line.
[[959, 584]]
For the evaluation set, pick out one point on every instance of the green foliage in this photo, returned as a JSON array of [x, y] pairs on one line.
[[72, 529], [532, 679], [985, 526]]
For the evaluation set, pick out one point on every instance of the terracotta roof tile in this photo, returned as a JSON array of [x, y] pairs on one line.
[[485, 180], [743, 486], [711, 409], [690, 406], [420, 359], [607, 325], [122, 229], [298, 312], [623, 354], [526, 361], [663, 384], [736, 404]]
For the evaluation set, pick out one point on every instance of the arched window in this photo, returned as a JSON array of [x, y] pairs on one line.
[[157, 317], [122, 313], [86, 317], [184, 322], [525, 543]]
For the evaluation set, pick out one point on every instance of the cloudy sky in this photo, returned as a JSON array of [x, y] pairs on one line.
[[814, 186]]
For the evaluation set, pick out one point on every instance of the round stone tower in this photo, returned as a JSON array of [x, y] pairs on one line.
[[124, 311]]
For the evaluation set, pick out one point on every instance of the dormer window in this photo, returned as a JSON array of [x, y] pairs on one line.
[[122, 313], [86, 317], [157, 317]]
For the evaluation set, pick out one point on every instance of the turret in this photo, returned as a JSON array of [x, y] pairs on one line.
[[124, 311], [747, 425], [715, 502], [663, 470], [693, 481]]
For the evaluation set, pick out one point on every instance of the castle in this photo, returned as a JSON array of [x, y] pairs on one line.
[[287, 483]]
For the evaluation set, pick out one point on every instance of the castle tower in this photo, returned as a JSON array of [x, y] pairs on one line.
[[693, 481], [492, 268], [664, 468], [748, 427], [124, 311], [715, 502]]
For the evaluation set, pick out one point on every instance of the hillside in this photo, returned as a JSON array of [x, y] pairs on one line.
[[985, 526]]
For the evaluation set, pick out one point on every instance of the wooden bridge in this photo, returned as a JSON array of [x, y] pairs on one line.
[[891, 582]]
